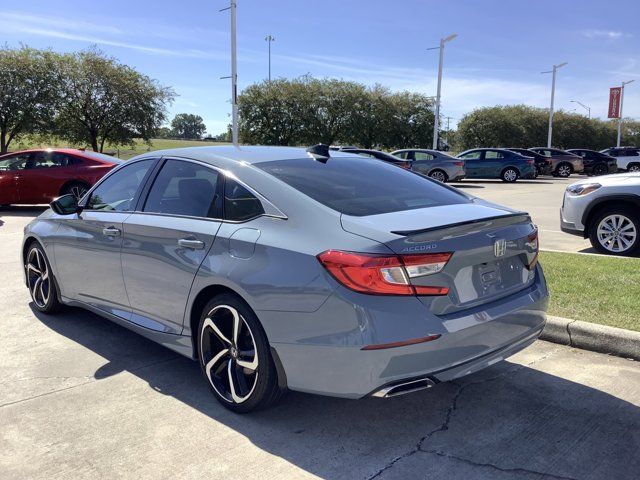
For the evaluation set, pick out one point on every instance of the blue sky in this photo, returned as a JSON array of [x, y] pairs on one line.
[[497, 58]]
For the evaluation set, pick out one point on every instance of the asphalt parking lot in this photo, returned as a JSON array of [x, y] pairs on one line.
[[83, 398], [542, 198]]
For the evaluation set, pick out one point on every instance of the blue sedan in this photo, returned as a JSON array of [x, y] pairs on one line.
[[498, 163]]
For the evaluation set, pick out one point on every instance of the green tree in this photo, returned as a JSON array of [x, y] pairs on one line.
[[29, 92], [105, 101], [188, 126], [305, 111], [524, 126]]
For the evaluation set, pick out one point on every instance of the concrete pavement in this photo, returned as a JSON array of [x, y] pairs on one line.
[[83, 398], [542, 198]]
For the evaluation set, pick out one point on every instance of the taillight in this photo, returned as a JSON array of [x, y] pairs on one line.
[[530, 162], [406, 165], [384, 275], [459, 164], [534, 244]]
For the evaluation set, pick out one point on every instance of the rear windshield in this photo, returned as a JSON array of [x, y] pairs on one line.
[[359, 187]]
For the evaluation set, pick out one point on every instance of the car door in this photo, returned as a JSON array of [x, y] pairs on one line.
[[166, 240], [11, 167], [44, 175], [87, 245], [493, 161], [472, 163]]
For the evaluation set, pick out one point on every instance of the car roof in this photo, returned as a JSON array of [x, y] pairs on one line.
[[88, 154], [230, 154]]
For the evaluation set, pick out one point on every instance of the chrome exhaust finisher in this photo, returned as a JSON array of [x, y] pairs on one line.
[[404, 387]]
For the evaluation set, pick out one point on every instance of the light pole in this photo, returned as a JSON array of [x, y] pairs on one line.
[[436, 122], [553, 92], [270, 39], [233, 5], [588, 109], [620, 121]]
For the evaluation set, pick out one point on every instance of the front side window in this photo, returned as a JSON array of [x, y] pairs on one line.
[[184, 188], [340, 185], [240, 204], [15, 162], [403, 155], [471, 155], [117, 191]]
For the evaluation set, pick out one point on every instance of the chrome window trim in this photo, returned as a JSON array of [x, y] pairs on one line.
[[87, 196]]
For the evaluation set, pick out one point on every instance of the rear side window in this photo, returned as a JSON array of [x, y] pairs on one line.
[[422, 156], [184, 188], [358, 187], [239, 203], [492, 155]]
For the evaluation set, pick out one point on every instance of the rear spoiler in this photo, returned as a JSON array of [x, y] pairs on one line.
[[463, 228]]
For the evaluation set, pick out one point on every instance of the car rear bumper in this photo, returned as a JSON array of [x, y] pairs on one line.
[[469, 341]]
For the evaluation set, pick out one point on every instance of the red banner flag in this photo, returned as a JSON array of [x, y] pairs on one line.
[[614, 102]]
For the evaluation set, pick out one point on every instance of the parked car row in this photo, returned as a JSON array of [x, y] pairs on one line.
[[509, 164]]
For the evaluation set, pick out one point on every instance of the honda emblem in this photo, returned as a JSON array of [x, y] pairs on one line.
[[500, 247]]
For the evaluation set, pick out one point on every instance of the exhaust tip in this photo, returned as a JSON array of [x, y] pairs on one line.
[[402, 388]]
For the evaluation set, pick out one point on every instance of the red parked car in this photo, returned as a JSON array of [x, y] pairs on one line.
[[39, 176]]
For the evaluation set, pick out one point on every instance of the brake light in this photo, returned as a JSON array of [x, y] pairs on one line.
[[530, 162], [459, 164], [384, 275], [534, 244], [406, 165]]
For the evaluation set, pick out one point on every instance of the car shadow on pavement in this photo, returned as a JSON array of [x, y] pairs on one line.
[[508, 419]]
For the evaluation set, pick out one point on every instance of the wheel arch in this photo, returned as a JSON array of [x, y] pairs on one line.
[[507, 167], [623, 200], [72, 181], [198, 304]]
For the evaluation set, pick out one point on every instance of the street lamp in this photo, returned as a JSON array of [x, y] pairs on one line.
[[620, 121], [588, 109], [553, 92], [270, 39], [233, 5], [437, 117]]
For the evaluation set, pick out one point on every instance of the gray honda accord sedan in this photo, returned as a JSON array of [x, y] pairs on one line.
[[283, 268]]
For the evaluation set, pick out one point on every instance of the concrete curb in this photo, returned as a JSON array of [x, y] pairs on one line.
[[591, 336]]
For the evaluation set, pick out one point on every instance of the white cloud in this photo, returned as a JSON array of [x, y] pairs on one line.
[[82, 31], [607, 34]]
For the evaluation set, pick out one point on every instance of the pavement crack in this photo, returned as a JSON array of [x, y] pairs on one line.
[[496, 467], [569, 332], [452, 409]]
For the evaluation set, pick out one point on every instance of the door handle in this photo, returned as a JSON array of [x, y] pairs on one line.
[[111, 231], [191, 243]]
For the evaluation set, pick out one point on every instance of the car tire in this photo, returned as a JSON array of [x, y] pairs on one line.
[[439, 175], [240, 380], [615, 231], [564, 170], [510, 175], [634, 167], [600, 169], [40, 280], [78, 189]]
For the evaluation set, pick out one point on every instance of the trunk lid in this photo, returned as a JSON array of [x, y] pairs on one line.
[[490, 245]]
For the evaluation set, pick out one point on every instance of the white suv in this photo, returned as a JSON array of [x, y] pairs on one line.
[[606, 211], [628, 157]]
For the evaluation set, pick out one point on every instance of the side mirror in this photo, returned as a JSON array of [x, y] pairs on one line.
[[66, 205]]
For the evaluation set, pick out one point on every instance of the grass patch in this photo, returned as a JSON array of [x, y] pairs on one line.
[[604, 290], [125, 152]]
